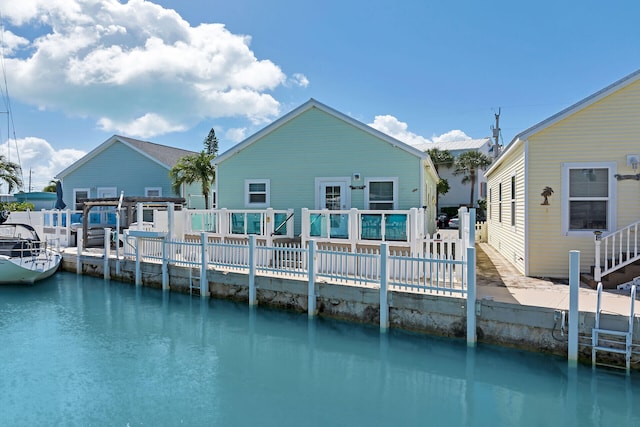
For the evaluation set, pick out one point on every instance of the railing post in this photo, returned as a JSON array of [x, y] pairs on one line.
[[574, 286], [313, 271], [107, 253], [79, 254], [269, 226], [67, 230], [471, 296], [204, 283], [597, 270], [165, 266], [253, 300], [384, 282], [413, 236], [171, 231], [472, 228], [139, 215], [305, 226], [138, 272], [224, 223], [290, 227], [354, 226]]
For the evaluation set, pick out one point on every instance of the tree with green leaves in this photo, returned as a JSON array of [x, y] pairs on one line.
[[441, 158], [194, 168], [211, 143], [468, 164], [10, 173], [51, 187]]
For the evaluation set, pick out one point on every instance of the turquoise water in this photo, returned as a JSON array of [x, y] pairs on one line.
[[83, 351]]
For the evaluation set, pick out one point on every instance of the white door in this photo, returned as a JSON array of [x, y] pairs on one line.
[[333, 194]]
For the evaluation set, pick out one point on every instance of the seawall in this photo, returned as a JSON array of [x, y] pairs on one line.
[[525, 327]]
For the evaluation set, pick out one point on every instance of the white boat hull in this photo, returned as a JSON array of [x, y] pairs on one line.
[[28, 270]]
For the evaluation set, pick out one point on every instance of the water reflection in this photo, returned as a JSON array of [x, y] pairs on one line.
[[93, 352]]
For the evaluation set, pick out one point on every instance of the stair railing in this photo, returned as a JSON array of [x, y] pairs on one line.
[[616, 250]]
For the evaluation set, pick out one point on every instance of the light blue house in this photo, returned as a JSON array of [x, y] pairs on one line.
[[121, 164], [318, 158]]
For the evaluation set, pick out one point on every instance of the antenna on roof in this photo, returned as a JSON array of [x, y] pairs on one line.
[[496, 135]]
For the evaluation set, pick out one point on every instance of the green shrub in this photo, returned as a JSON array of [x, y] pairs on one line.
[[16, 206]]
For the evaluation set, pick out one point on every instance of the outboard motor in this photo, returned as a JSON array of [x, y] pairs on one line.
[[4, 216]]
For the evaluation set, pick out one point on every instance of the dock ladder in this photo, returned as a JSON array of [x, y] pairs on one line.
[[613, 341], [194, 281]]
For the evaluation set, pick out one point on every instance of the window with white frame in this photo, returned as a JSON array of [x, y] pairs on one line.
[[257, 193], [79, 194], [588, 194], [500, 202], [153, 191], [513, 200], [381, 193]]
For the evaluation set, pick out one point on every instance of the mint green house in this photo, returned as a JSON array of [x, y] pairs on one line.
[[318, 158]]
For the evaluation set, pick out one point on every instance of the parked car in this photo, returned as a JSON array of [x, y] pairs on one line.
[[453, 222], [443, 221]]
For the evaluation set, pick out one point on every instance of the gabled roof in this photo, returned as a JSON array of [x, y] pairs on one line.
[[312, 103], [165, 156]]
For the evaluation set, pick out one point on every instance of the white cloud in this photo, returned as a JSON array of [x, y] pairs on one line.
[[39, 160], [235, 134], [136, 67], [452, 135], [299, 80], [399, 130], [146, 126]]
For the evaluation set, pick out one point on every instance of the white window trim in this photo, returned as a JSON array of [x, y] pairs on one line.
[[148, 189], [513, 200], [367, 183], [612, 202], [500, 212], [113, 190], [75, 195], [267, 183]]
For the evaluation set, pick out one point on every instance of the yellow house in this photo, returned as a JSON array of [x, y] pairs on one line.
[[584, 159]]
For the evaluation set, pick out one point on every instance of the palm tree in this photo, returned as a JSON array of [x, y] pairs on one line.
[[441, 158], [194, 168], [10, 173], [468, 164], [51, 187]]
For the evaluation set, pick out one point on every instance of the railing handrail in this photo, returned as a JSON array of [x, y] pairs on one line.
[[618, 245]]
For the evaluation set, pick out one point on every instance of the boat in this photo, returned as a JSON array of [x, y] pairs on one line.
[[24, 258]]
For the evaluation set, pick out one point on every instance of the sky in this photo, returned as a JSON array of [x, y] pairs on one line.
[[167, 71]]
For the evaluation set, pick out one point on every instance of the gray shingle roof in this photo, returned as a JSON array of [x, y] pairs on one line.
[[162, 153]]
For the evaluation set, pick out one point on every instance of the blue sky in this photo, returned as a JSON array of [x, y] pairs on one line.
[[79, 71]]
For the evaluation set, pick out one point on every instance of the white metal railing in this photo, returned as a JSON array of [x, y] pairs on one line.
[[438, 271], [616, 250], [379, 270], [266, 223], [399, 227]]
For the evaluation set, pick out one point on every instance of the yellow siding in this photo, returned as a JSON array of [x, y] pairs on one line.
[[605, 131], [504, 237]]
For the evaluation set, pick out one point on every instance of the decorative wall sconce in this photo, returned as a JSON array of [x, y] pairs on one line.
[[546, 193], [632, 162]]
